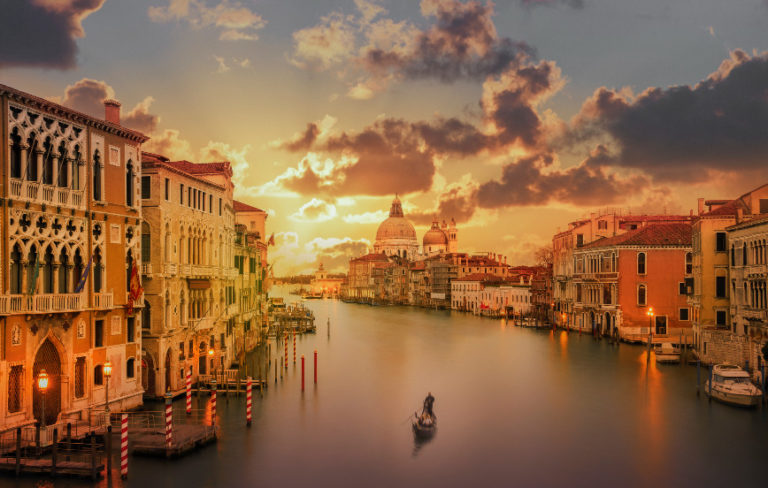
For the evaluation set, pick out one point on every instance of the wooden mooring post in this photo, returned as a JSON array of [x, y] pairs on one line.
[[54, 451], [18, 451], [94, 472]]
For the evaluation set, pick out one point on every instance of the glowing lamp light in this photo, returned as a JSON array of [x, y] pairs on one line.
[[107, 369], [210, 352], [42, 381]]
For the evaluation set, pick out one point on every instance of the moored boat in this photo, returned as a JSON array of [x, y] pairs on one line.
[[666, 353], [732, 385]]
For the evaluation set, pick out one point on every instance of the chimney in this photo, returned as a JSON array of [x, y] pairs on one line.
[[739, 214], [112, 111], [701, 206]]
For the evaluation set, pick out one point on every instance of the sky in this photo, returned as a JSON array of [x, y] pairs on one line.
[[513, 118]]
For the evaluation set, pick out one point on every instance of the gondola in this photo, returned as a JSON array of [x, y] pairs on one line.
[[424, 425]]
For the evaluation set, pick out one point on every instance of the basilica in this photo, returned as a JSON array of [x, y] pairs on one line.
[[396, 236]]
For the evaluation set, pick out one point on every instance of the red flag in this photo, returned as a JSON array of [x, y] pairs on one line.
[[271, 241], [136, 290]]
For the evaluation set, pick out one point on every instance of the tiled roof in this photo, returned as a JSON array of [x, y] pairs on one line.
[[148, 156], [372, 257], [759, 219], [727, 209], [651, 235], [479, 277], [222, 167], [244, 207]]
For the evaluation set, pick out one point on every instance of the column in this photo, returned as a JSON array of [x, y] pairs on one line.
[[24, 152], [55, 171]]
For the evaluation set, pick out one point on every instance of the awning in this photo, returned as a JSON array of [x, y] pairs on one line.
[[199, 284]]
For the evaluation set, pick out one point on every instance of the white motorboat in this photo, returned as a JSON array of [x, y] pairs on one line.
[[732, 385], [666, 353]]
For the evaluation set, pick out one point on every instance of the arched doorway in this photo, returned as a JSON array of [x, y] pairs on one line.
[[148, 374], [592, 321], [608, 326], [168, 375], [47, 359]]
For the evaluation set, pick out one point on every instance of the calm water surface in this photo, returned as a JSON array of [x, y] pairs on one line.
[[515, 407]]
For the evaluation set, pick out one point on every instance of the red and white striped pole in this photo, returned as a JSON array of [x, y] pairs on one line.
[[168, 420], [213, 403], [248, 401], [124, 446], [294, 347], [302, 372], [189, 392], [286, 350], [315, 366]]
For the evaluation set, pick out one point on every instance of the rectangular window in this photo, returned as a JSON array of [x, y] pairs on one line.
[[210, 203], [720, 318], [181, 350], [203, 207], [683, 314], [98, 375], [579, 240], [720, 287], [181, 194], [15, 382], [130, 329], [80, 377], [682, 289], [720, 245], [763, 205], [146, 187], [222, 344], [219, 206], [167, 189], [130, 365], [98, 333], [146, 248]]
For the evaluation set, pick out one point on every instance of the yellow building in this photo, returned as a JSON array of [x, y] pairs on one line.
[[711, 288], [71, 225]]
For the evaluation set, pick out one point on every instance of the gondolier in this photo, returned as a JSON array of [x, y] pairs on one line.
[[428, 403]]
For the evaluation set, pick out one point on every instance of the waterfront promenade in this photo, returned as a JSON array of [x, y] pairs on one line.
[[532, 408]]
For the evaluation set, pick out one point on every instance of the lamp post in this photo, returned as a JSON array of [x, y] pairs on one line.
[[107, 371], [42, 385], [650, 314], [213, 369]]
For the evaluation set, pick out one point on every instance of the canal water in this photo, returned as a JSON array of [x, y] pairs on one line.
[[515, 407]]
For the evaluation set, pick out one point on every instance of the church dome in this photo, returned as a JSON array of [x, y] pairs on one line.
[[396, 226], [435, 236]]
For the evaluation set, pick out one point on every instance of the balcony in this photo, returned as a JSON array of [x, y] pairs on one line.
[[43, 303], [185, 269], [102, 301], [146, 268], [171, 269], [201, 270], [200, 324], [33, 191]]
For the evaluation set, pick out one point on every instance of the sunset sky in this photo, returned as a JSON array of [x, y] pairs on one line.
[[514, 118]]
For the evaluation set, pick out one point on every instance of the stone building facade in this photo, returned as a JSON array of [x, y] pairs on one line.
[[71, 232], [189, 271]]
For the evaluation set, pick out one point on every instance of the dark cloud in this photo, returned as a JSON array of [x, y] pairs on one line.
[[140, 118], [457, 202], [532, 181], [42, 33], [88, 96], [302, 141], [683, 133], [461, 44], [575, 4], [382, 159]]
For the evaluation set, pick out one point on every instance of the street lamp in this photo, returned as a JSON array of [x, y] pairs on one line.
[[42, 385], [650, 314], [107, 370]]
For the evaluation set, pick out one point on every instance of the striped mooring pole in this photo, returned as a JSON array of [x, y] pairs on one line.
[[315, 366], [285, 342], [213, 402], [168, 420], [189, 393], [248, 400], [124, 446], [294, 347], [302, 372]]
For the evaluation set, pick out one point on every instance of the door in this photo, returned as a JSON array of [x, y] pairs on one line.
[[47, 359], [661, 324], [148, 374]]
